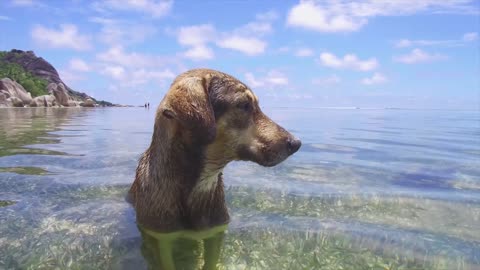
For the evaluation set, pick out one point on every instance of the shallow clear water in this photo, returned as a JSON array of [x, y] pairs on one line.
[[369, 189]]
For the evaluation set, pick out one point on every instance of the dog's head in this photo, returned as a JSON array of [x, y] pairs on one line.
[[207, 107]]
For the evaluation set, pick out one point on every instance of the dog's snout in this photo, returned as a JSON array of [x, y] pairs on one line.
[[293, 145]]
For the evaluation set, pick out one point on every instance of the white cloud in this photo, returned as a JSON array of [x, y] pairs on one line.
[[115, 32], [252, 81], [258, 28], [299, 96], [283, 49], [267, 16], [246, 38], [312, 16], [472, 36], [67, 37], [5, 18], [132, 69], [347, 16], [250, 46], [304, 52], [377, 78], [155, 8], [77, 64], [200, 52], [142, 76], [403, 43], [70, 77], [196, 35], [117, 55], [330, 80], [272, 79], [134, 78], [24, 3], [115, 72], [349, 61], [418, 56], [467, 37]]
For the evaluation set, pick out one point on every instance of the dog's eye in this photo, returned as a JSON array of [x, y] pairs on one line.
[[245, 106]]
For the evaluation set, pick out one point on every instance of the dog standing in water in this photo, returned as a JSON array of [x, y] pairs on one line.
[[206, 119]]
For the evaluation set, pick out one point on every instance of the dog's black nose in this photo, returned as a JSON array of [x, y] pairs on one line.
[[293, 145]]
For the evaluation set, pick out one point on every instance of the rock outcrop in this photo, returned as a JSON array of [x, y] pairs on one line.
[[3, 100], [12, 89], [88, 103], [14, 102], [40, 68], [60, 93], [43, 101]]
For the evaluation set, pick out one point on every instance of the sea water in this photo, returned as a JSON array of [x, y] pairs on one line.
[[369, 189]]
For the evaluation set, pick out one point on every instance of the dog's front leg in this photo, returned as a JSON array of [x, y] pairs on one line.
[[164, 247], [212, 247]]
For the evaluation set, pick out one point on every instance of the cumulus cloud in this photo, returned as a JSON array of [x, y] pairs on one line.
[[198, 53], [377, 78], [67, 36], [77, 64], [303, 52], [25, 3], [330, 80], [113, 71], [70, 77], [418, 56], [255, 28], [466, 38], [283, 49], [349, 61], [247, 39], [131, 69], [133, 78], [312, 16], [196, 35], [155, 8], [348, 16], [143, 76], [122, 32], [118, 55], [247, 45], [267, 16], [271, 79]]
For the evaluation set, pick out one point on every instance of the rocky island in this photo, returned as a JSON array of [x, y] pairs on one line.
[[30, 81]]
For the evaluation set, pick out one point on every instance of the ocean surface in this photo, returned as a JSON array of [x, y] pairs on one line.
[[369, 189]]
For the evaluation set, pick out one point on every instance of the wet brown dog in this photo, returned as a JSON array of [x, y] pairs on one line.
[[207, 119]]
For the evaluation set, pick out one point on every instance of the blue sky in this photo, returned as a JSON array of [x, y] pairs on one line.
[[398, 53]]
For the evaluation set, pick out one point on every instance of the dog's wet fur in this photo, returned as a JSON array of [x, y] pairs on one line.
[[206, 119]]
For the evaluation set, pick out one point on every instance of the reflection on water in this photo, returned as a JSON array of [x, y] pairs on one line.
[[370, 189]]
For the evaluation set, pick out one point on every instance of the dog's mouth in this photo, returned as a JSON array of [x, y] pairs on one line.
[[270, 155]]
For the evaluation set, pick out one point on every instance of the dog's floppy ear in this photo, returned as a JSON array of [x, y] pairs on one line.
[[188, 103]]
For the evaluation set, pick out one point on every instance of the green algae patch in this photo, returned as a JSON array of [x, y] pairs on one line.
[[6, 203], [24, 170]]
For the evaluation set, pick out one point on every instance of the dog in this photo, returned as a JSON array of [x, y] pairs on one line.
[[206, 120]]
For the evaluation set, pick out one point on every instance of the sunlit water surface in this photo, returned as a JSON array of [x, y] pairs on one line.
[[369, 189]]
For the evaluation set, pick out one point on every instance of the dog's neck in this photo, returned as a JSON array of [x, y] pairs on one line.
[[214, 161], [209, 175]]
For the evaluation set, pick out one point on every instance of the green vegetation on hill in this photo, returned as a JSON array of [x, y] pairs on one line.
[[36, 86]]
